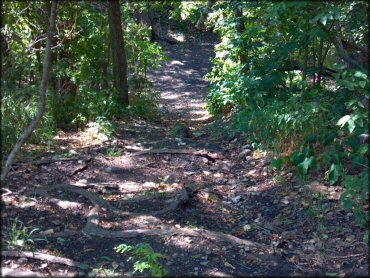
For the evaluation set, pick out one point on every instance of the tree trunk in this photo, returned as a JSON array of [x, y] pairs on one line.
[[118, 51], [320, 60], [43, 88], [243, 57], [314, 61]]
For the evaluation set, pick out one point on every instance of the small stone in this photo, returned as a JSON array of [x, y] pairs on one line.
[[236, 199], [247, 227], [47, 232], [252, 163], [205, 263], [229, 265], [248, 158], [109, 169], [196, 268], [174, 255], [22, 260]]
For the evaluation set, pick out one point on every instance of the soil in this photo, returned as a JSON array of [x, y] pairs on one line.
[[287, 228]]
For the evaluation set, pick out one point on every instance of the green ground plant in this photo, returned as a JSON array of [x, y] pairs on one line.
[[20, 237], [144, 258]]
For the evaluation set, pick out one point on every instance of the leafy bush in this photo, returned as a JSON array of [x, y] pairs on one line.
[[259, 76], [144, 258], [18, 110]]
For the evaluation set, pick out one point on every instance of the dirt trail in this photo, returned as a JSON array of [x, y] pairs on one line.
[[181, 81], [207, 203]]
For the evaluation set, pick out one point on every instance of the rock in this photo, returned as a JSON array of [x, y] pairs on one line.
[[205, 263], [196, 268], [244, 153], [248, 159], [229, 265], [247, 227], [252, 163], [236, 199], [257, 220], [47, 232], [109, 169]]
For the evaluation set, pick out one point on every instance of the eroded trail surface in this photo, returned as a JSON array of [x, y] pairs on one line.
[[205, 201]]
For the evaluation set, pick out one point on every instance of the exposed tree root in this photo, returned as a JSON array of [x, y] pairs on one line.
[[178, 151], [96, 200], [79, 169], [43, 257], [60, 203], [10, 272], [93, 229], [181, 199]]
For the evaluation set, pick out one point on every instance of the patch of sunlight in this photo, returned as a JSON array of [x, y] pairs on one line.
[[190, 71], [170, 96], [204, 118], [175, 62], [197, 104], [199, 112]]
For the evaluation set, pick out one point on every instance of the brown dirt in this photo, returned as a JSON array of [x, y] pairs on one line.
[[234, 195]]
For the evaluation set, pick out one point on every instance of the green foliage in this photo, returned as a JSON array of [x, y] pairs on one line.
[[356, 196], [18, 110], [265, 74], [180, 130], [20, 237], [114, 152], [144, 258]]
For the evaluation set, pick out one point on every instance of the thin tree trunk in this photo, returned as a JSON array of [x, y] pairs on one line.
[[118, 51], [43, 88], [305, 63], [314, 61], [320, 60]]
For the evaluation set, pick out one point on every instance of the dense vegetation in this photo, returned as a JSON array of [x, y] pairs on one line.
[[293, 74]]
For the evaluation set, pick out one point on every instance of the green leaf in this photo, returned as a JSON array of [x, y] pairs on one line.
[[351, 125], [362, 84], [342, 121], [333, 174], [363, 149]]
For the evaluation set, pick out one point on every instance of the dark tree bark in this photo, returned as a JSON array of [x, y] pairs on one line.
[[118, 51], [43, 88]]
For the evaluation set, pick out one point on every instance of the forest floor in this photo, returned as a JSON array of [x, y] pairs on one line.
[[200, 196]]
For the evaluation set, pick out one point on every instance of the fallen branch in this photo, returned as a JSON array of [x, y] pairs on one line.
[[177, 151], [43, 257]]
